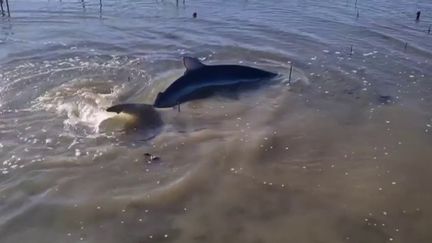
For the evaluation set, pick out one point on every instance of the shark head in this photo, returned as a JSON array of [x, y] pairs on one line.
[[163, 101]]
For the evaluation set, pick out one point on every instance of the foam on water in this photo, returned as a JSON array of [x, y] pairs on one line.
[[81, 103]]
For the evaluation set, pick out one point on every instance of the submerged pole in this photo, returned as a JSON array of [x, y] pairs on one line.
[[417, 18], [429, 30]]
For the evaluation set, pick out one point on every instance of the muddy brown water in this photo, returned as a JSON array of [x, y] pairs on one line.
[[342, 154]]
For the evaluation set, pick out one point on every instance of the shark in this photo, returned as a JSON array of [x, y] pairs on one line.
[[198, 81], [201, 81]]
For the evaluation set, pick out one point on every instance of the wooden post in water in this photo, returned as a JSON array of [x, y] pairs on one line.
[[100, 9], [1, 6], [417, 18], [291, 69], [406, 46], [358, 14], [7, 7], [429, 30], [351, 51]]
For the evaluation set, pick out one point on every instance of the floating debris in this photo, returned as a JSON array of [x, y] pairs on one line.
[[151, 158], [385, 99]]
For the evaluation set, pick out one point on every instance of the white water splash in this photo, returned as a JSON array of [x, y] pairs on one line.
[[81, 102]]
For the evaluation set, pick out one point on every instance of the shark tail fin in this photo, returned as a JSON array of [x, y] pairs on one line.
[[146, 114], [127, 108], [133, 109]]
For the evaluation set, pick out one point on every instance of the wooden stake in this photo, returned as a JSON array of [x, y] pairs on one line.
[[291, 68], [7, 7], [1, 6]]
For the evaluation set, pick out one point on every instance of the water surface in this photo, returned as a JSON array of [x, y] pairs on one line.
[[342, 154]]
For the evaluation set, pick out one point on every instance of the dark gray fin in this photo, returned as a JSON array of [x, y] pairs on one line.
[[127, 108], [176, 107], [192, 63]]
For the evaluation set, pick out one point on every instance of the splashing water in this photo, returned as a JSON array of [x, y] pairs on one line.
[[82, 103]]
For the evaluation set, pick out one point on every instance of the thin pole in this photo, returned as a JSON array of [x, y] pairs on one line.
[[7, 6], [291, 68], [2, 10], [100, 11]]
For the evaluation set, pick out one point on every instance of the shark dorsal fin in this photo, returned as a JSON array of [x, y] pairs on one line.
[[192, 63]]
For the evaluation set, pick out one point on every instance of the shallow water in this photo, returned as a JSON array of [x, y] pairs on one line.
[[342, 154]]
